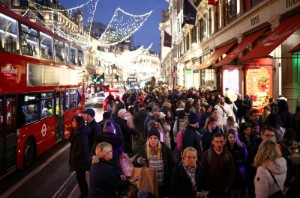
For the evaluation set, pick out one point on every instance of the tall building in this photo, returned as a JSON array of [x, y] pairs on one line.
[[248, 46]]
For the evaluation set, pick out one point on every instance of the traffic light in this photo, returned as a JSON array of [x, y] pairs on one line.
[[102, 77], [94, 79]]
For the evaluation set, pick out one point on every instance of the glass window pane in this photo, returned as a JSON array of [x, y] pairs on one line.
[[46, 46], [9, 34]]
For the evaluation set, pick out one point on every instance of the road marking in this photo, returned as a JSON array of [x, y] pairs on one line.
[[33, 173], [63, 186]]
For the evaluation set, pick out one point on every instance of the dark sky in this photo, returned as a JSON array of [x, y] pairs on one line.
[[147, 34]]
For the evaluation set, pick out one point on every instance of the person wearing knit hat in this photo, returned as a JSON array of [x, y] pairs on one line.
[[108, 127], [154, 131], [157, 155]]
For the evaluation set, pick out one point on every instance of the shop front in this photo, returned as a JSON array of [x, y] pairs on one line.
[[259, 82], [231, 78]]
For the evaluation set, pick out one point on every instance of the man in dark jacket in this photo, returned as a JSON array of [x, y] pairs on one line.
[[154, 115], [191, 138], [89, 117], [139, 118], [218, 167]]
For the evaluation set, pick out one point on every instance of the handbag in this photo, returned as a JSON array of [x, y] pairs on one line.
[[126, 164], [148, 180], [279, 193]]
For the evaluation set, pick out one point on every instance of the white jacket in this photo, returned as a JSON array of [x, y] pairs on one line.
[[263, 181]]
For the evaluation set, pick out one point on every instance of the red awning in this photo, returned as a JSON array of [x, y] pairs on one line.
[[241, 47], [295, 49], [275, 38], [214, 56]]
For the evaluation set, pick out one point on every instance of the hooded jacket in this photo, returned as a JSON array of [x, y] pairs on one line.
[[263, 181]]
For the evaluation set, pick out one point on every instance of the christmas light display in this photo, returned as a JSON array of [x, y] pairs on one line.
[[121, 27]]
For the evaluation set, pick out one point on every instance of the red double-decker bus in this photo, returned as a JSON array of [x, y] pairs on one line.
[[40, 89]]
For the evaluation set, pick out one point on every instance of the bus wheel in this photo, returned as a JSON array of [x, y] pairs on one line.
[[29, 153]]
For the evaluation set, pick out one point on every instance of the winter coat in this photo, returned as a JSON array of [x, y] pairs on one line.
[[127, 133], [139, 118], [239, 155], [191, 138], [147, 120], [263, 181], [95, 133], [104, 181], [219, 172], [179, 125], [166, 157], [181, 185], [79, 158]]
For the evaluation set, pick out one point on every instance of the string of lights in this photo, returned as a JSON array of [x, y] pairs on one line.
[[121, 27], [61, 10]]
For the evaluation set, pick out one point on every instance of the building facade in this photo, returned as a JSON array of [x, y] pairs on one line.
[[247, 46]]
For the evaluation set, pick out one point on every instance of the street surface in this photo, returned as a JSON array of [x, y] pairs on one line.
[[49, 177]]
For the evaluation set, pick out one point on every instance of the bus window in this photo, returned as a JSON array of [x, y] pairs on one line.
[[9, 34], [47, 105], [73, 56], [67, 53], [71, 99], [60, 52], [46, 46], [30, 41], [31, 113], [80, 58]]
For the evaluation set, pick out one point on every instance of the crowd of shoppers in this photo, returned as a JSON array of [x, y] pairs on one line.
[[200, 144]]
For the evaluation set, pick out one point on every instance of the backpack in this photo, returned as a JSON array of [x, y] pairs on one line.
[[209, 153], [179, 140]]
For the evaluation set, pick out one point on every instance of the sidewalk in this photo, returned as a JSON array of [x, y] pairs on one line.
[[75, 192]]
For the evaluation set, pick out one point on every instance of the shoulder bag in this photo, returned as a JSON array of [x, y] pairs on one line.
[[279, 193]]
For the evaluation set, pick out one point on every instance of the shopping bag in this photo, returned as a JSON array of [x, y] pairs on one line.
[[148, 179], [126, 164]]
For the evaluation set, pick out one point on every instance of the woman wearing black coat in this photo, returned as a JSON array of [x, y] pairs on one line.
[[187, 179], [79, 158]]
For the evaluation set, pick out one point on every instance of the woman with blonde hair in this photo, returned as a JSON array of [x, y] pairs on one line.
[[157, 155], [271, 171]]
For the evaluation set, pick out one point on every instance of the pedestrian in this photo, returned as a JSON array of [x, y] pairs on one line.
[[191, 136], [239, 154], [109, 135], [218, 166], [267, 133], [157, 155], [271, 170], [223, 110], [126, 131], [79, 157], [139, 118], [104, 180], [154, 115], [89, 117], [187, 178]]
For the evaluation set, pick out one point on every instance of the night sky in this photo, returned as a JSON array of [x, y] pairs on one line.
[[147, 34]]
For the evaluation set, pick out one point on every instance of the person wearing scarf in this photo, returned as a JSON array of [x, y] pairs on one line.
[[187, 179]]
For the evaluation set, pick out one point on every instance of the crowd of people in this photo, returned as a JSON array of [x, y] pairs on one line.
[[201, 144]]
